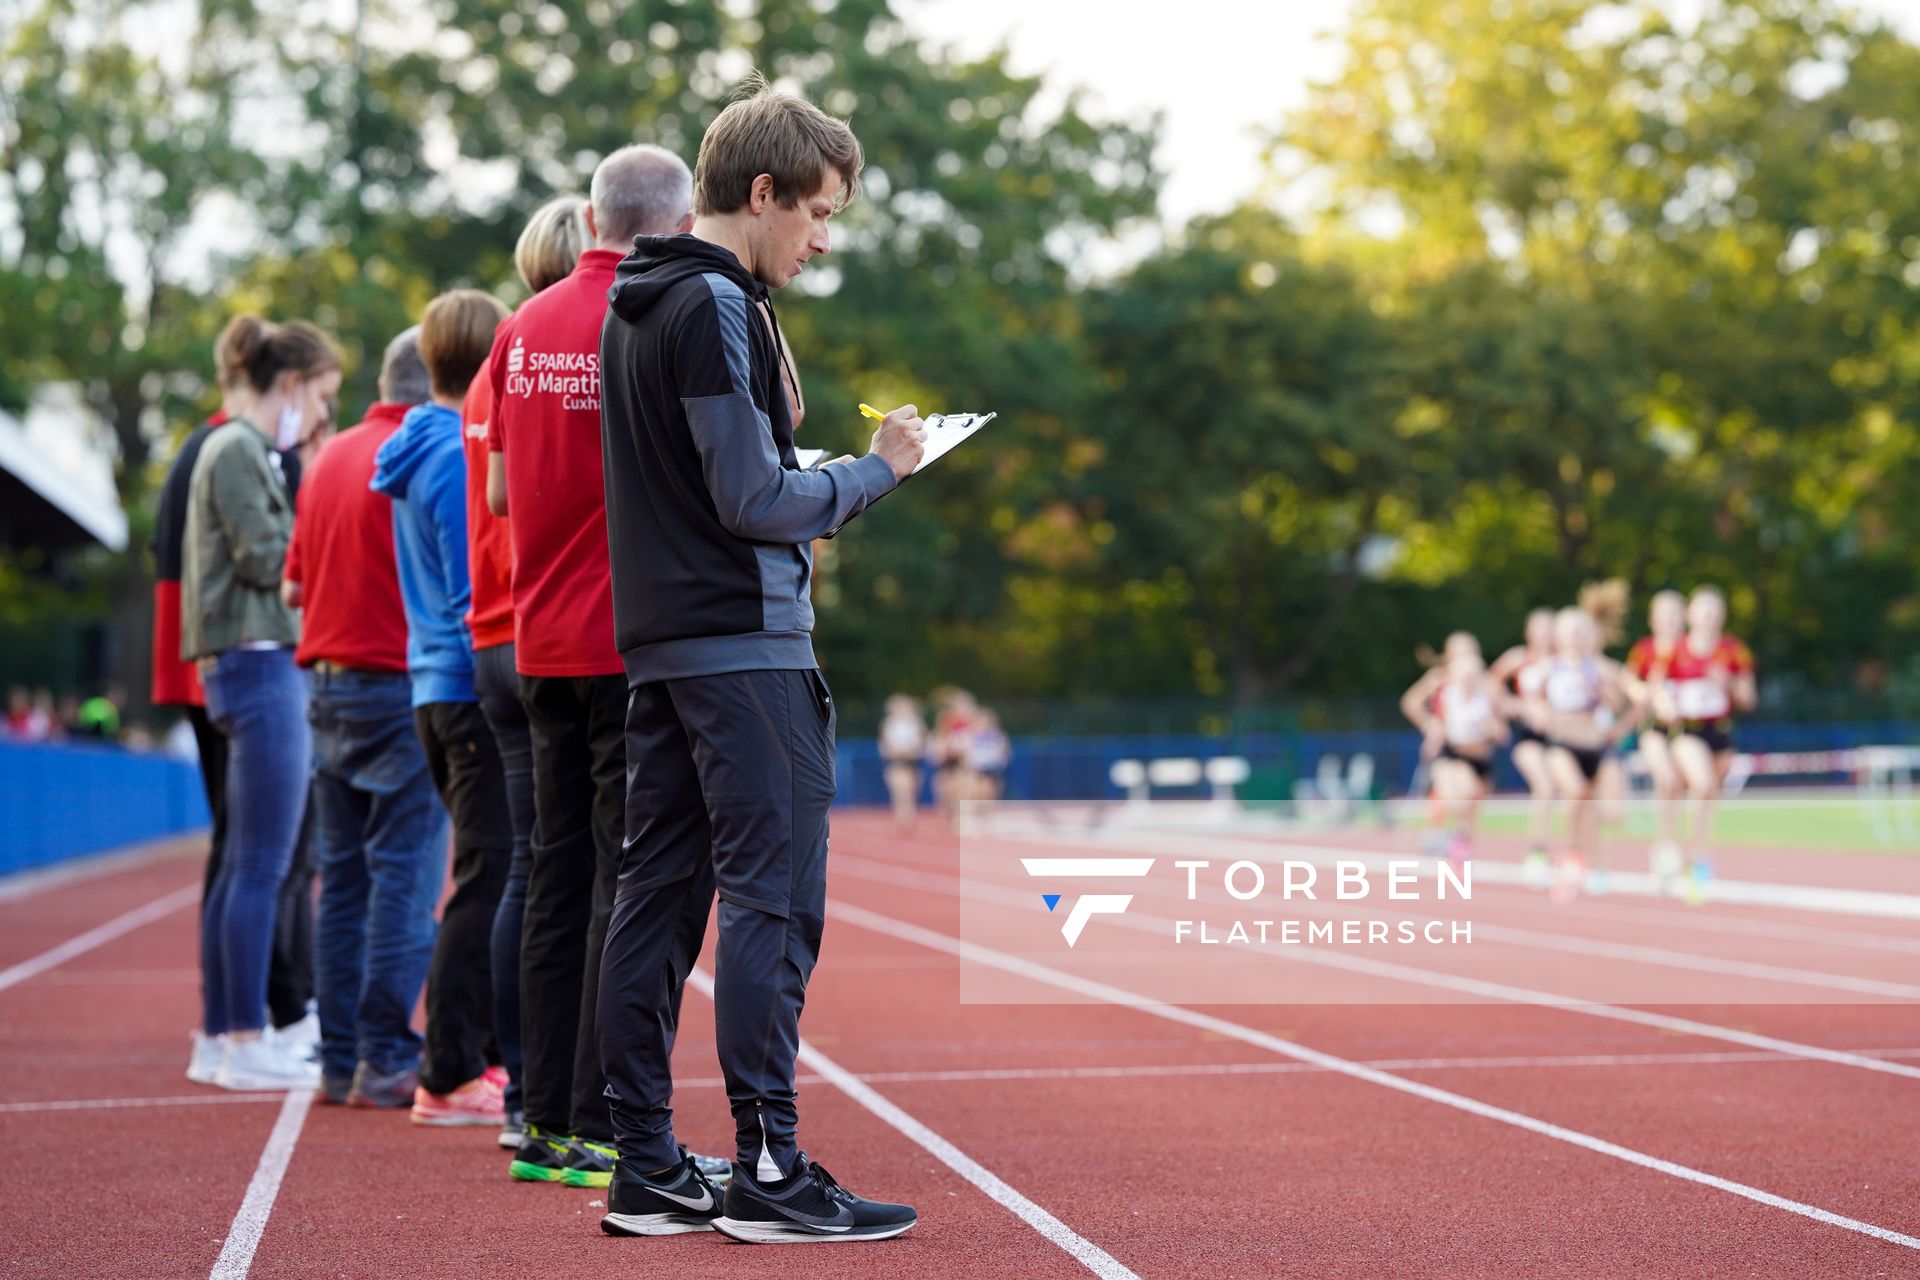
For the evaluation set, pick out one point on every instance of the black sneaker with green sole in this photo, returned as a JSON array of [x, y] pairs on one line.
[[590, 1165], [541, 1157]]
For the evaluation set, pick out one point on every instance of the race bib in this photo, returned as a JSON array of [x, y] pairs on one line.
[[1700, 700]]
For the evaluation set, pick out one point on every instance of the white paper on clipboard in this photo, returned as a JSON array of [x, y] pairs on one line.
[[946, 431]]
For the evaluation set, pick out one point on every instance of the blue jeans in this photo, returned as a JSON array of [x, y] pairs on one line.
[[380, 839], [498, 688], [256, 698]]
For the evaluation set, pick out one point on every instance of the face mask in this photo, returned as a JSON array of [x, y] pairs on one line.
[[287, 433]]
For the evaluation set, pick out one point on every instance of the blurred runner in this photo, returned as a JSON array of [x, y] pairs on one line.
[[903, 737], [1712, 676], [1577, 705], [1522, 669], [1649, 670], [1455, 708], [988, 753]]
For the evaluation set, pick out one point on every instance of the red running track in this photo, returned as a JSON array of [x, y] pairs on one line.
[[1170, 1148]]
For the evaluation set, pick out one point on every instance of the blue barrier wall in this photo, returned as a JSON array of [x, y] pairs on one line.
[[1076, 768], [61, 801]]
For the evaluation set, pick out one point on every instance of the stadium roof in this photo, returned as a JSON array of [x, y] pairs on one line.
[[44, 506]]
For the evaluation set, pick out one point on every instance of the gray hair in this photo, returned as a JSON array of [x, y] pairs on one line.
[[641, 190], [403, 374]]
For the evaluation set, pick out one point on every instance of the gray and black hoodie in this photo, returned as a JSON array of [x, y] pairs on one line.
[[710, 521]]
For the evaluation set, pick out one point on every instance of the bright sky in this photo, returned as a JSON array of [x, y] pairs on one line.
[[1219, 69]]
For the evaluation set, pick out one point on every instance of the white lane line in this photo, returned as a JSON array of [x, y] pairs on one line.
[[236, 1256], [1089, 1254], [1611, 909], [1141, 1071], [25, 884], [1799, 897], [913, 933], [1268, 854], [1694, 920], [1160, 925], [100, 935], [1589, 1061], [114, 1104]]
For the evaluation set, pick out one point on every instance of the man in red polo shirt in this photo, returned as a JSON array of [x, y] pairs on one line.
[[544, 474], [379, 830]]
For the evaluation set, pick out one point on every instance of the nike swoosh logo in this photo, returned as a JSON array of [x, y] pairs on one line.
[[840, 1221], [701, 1205]]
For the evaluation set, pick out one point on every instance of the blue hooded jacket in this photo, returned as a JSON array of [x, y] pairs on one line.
[[424, 470]]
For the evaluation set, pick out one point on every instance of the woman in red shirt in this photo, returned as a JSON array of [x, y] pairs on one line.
[[1711, 678], [1649, 667]]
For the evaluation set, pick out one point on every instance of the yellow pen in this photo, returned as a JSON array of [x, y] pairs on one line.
[[873, 413]]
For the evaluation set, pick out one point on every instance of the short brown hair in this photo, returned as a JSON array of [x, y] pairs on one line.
[[455, 335], [251, 352], [777, 134]]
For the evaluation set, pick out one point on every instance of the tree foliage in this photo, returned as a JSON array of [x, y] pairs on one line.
[[1577, 293]]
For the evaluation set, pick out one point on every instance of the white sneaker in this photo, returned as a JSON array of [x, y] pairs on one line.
[[203, 1064], [1665, 862], [302, 1038], [262, 1062]]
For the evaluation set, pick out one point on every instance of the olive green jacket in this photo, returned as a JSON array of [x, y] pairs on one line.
[[238, 525]]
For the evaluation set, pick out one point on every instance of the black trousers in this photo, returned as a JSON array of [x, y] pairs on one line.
[[466, 770], [290, 966], [579, 785], [729, 783]]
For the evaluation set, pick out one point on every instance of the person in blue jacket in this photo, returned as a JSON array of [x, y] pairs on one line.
[[423, 469]]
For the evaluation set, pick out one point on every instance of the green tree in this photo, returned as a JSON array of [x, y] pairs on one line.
[[1255, 435]]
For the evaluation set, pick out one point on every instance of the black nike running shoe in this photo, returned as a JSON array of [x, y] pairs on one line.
[[807, 1208], [669, 1205]]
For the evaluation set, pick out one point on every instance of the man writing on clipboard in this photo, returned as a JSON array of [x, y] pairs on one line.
[[730, 759]]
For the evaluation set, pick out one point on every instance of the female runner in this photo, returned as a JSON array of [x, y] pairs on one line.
[[1454, 707], [1521, 670], [1578, 706], [1712, 675], [1649, 681]]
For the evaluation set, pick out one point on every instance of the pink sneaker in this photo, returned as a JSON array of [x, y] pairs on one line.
[[476, 1104]]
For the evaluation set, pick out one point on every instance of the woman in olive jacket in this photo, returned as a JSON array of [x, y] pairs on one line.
[[282, 381]]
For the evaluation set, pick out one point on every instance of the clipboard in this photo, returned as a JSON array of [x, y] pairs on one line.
[[945, 433]]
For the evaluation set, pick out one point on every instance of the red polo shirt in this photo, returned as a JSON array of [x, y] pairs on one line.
[[342, 554], [489, 543], [545, 382]]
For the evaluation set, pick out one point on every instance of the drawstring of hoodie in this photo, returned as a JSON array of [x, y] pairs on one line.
[[780, 348]]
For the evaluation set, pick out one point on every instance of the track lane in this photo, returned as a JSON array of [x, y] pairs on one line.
[[1442, 1155]]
